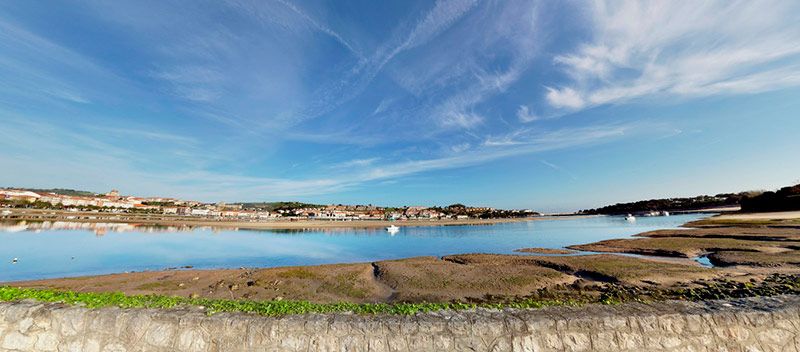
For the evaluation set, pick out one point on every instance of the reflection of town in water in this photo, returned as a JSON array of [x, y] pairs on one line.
[[99, 228], [102, 228]]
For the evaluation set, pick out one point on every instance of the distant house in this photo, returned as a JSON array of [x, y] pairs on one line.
[[200, 212], [27, 196]]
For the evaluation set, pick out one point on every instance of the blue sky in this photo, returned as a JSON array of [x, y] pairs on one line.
[[519, 104]]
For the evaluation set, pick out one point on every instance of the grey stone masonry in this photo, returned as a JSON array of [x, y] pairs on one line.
[[755, 324]]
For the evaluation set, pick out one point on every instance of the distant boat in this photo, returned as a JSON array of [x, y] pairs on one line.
[[630, 218], [393, 229], [14, 261], [664, 213]]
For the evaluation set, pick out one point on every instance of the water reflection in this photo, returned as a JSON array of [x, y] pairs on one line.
[[99, 228]]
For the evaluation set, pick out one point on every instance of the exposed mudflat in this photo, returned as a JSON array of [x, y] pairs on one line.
[[742, 233], [756, 241], [546, 250], [686, 247]]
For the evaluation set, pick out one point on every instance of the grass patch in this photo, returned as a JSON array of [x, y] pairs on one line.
[[266, 308]]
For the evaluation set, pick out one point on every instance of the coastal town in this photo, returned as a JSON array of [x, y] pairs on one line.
[[114, 202]]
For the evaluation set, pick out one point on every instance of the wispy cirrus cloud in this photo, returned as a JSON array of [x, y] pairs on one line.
[[559, 169], [681, 49], [524, 114], [354, 163], [353, 82], [109, 165], [291, 17], [195, 83], [495, 48], [32, 67]]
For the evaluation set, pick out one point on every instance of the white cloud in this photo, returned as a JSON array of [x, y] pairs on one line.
[[460, 148], [455, 118], [681, 48], [564, 98], [525, 115], [355, 163]]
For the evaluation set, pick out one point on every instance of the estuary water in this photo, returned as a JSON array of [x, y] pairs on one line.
[[64, 250]]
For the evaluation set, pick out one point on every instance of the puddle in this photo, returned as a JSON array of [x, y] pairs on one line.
[[704, 261]]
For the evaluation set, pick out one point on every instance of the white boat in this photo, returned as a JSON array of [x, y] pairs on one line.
[[630, 218], [664, 213], [393, 229]]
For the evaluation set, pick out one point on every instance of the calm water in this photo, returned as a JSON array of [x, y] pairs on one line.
[[48, 253]]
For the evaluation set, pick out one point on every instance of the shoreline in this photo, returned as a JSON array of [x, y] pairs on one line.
[[35, 215]]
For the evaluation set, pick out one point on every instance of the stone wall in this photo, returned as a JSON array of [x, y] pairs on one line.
[[760, 324]]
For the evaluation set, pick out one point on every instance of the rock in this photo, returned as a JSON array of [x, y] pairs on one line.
[[114, 347], [17, 341], [159, 334], [46, 342]]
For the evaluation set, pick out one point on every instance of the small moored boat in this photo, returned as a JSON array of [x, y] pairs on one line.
[[630, 218], [393, 229]]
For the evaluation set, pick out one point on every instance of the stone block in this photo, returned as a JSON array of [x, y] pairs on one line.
[[159, 334], [46, 342], [114, 347], [191, 340], [16, 341], [576, 341]]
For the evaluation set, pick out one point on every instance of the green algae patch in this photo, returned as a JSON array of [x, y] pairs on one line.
[[266, 308]]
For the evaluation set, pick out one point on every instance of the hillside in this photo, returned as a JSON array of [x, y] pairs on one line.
[[786, 198], [670, 204]]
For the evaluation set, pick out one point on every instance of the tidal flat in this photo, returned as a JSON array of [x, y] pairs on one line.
[[749, 260]]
